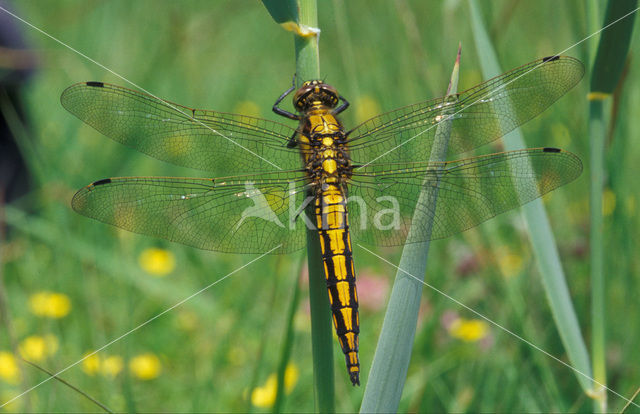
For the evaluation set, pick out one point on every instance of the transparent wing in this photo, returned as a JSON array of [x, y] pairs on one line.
[[222, 143], [383, 198], [246, 214], [479, 115]]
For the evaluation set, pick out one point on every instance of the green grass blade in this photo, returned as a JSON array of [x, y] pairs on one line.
[[608, 65], [68, 384], [287, 342], [542, 239], [614, 45], [393, 352], [264, 340], [282, 11], [308, 67], [596, 171]]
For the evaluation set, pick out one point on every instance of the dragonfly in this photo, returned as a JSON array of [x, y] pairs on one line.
[[366, 183]]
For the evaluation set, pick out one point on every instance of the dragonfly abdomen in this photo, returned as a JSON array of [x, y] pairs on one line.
[[335, 242]]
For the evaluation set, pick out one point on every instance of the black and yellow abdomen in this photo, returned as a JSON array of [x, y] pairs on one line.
[[323, 146], [335, 242]]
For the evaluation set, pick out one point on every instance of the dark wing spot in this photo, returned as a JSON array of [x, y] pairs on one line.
[[550, 58], [103, 181], [95, 84], [548, 149]]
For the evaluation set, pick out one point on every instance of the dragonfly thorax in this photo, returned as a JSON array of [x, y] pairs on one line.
[[315, 93]]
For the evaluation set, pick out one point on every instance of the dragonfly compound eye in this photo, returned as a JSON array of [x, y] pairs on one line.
[[315, 93]]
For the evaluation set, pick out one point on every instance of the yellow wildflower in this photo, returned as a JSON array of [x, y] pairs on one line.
[[91, 364], [291, 375], [145, 366], [50, 304], [265, 396], [469, 330], [35, 348], [608, 202], [112, 366], [9, 370], [157, 262]]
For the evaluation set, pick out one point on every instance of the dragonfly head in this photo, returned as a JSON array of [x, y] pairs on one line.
[[314, 93]]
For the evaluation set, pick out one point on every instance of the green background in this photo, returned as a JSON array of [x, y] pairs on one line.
[[380, 55]]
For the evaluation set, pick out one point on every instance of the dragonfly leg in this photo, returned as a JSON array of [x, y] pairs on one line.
[[292, 141], [345, 105], [281, 111]]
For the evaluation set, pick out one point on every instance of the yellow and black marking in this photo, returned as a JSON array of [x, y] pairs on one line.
[[323, 144], [335, 242]]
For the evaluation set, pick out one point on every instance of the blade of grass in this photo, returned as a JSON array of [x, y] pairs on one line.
[[284, 12], [6, 320], [633, 397], [608, 65], [542, 240], [73, 387], [596, 247], [592, 9], [264, 340], [393, 352], [288, 342], [613, 46]]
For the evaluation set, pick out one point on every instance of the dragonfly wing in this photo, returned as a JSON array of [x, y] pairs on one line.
[[249, 214], [222, 143], [383, 198], [478, 115]]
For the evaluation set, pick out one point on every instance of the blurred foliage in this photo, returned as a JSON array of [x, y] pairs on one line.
[[223, 55]]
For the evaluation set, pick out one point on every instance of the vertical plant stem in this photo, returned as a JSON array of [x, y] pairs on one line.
[[608, 66], [287, 342], [308, 67], [596, 164], [321, 329], [596, 171], [593, 24], [264, 339], [306, 47]]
